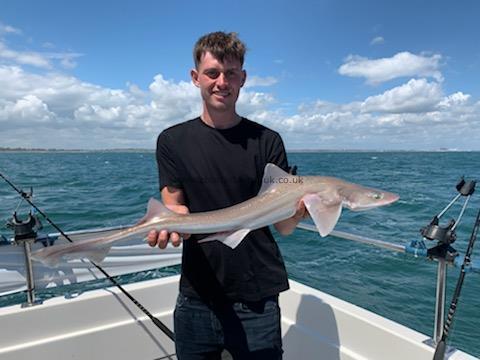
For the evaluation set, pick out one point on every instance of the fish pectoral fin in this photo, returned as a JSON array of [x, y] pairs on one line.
[[324, 216], [230, 238], [235, 238]]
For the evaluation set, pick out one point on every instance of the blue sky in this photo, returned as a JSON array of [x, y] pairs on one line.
[[325, 74]]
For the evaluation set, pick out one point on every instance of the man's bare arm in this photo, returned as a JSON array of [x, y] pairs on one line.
[[286, 227]]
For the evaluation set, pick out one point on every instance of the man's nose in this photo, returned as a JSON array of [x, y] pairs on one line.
[[222, 80]]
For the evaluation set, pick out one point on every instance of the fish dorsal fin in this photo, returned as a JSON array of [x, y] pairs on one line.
[[154, 209], [325, 216], [271, 174]]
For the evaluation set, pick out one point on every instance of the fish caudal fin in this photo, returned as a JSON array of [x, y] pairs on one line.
[[232, 238], [324, 216], [54, 255], [155, 209], [46, 257]]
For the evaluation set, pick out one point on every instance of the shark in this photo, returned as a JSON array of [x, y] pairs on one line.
[[278, 199]]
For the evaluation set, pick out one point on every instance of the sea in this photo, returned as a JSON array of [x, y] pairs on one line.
[[90, 189]]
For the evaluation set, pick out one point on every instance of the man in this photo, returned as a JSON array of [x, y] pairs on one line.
[[228, 297]]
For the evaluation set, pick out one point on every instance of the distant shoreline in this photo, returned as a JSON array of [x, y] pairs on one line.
[[293, 151], [35, 150]]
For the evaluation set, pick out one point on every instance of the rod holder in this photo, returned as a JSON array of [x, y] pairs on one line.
[[25, 234], [440, 300]]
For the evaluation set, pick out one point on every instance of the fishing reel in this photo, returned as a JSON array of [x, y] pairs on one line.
[[446, 235], [24, 229]]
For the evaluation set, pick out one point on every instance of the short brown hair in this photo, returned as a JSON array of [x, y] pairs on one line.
[[221, 45]]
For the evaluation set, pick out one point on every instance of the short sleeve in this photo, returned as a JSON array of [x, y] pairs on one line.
[[168, 172], [277, 154]]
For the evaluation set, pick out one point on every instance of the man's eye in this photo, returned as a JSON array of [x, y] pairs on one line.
[[212, 74]]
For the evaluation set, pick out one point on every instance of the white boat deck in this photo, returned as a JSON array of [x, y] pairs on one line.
[[103, 324]]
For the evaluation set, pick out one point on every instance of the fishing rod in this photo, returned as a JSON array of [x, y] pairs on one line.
[[27, 197], [441, 345]]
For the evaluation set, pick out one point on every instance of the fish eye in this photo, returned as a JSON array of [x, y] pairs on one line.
[[376, 196]]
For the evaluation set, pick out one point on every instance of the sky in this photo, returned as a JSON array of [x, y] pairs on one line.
[[341, 75]]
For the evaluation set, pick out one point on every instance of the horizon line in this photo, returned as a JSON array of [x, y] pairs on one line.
[[306, 150]]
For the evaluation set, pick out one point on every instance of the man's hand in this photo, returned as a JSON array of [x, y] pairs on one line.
[[161, 238]]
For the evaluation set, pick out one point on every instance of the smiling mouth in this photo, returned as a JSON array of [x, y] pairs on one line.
[[221, 93]]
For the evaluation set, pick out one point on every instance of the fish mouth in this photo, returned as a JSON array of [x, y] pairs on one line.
[[390, 198]]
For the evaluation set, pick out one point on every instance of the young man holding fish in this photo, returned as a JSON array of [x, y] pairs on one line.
[[212, 166], [228, 297]]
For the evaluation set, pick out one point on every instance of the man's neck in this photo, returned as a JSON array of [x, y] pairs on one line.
[[220, 120]]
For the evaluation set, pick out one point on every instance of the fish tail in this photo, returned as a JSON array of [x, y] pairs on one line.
[[52, 256]]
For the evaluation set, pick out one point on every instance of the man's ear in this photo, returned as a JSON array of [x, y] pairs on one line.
[[194, 76], [244, 78]]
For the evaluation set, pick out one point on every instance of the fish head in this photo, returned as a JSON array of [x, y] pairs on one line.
[[358, 198]]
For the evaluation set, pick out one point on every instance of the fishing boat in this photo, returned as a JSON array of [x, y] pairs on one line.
[[315, 325], [135, 320]]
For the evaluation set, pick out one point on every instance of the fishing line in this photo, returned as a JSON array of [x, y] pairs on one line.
[[156, 321], [441, 346]]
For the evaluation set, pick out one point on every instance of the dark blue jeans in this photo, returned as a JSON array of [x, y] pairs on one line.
[[248, 331]]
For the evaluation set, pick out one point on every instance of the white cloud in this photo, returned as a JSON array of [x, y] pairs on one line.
[[403, 64], [453, 100], [38, 59], [53, 103], [377, 40], [415, 115], [23, 57], [25, 111], [416, 96], [48, 45], [255, 81], [7, 29]]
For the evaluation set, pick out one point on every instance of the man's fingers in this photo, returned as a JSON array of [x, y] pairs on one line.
[[175, 239], [152, 238], [162, 239], [301, 212]]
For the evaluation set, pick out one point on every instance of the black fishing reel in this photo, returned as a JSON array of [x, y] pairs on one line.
[[27, 228], [24, 229]]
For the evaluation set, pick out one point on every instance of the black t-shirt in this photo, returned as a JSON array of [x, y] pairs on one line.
[[217, 168]]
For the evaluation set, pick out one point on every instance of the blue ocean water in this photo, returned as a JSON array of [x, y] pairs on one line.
[[80, 190]]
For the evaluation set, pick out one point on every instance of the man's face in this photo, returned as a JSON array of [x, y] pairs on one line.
[[219, 82]]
